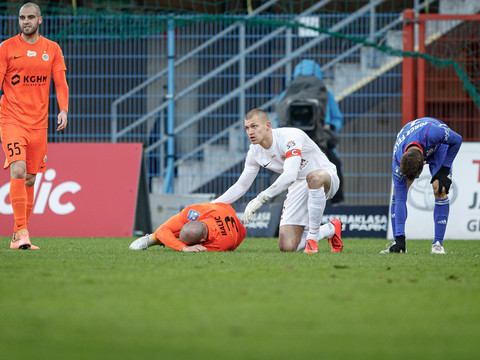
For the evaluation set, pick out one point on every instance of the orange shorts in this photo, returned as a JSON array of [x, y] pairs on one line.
[[29, 145]]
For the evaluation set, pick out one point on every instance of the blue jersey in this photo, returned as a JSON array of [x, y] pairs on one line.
[[438, 142]]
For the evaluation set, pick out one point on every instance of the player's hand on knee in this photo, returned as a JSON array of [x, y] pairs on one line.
[[444, 179]]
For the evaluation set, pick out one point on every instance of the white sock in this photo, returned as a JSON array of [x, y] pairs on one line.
[[326, 231], [303, 240], [316, 205], [150, 242]]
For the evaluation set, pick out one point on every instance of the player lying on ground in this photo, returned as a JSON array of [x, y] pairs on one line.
[[200, 227]]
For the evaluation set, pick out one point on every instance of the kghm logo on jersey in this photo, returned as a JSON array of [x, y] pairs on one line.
[[34, 80], [30, 80], [15, 79]]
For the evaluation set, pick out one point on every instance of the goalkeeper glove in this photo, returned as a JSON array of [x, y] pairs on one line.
[[253, 206], [444, 179]]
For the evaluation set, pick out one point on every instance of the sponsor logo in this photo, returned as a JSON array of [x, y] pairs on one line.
[[15, 79], [473, 225], [303, 164], [360, 222], [193, 215], [290, 144], [31, 53], [47, 194], [29, 79], [429, 152]]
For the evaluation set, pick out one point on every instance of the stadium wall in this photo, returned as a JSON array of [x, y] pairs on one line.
[[107, 56]]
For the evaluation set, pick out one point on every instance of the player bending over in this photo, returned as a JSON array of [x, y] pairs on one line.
[[425, 140], [305, 173]]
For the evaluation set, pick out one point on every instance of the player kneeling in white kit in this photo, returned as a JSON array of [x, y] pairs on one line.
[[305, 173]]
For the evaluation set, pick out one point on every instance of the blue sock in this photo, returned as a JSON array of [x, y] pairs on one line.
[[400, 214], [440, 217], [392, 213]]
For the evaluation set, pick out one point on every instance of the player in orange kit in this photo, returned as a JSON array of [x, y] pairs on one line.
[[200, 227], [27, 63]]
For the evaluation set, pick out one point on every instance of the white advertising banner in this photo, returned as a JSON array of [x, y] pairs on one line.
[[464, 195]]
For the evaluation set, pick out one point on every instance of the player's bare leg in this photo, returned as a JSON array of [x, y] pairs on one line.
[[289, 237]]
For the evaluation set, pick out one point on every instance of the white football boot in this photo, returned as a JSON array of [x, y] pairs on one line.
[[142, 243], [437, 248]]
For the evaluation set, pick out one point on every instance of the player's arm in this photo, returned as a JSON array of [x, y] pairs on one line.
[[443, 134], [2, 77], [3, 65], [287, 178], [61, 88], [454, 142], [167, 232], [246, 179]]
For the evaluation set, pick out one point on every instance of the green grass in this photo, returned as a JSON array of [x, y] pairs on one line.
[[95, 299]]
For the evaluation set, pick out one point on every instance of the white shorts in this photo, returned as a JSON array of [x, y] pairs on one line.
[[295, 206]]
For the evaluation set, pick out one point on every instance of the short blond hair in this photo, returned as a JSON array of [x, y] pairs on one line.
[[258, 113]]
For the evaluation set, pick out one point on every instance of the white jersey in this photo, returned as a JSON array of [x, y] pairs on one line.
[[292, 154], [286, 141]]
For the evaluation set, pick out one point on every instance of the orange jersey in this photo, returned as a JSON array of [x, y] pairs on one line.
[[26, 70], [225, 231]]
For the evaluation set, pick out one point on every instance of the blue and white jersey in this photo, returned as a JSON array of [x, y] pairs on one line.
[[438, 142]]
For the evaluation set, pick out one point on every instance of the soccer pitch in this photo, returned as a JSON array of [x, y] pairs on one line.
[[96, 299]]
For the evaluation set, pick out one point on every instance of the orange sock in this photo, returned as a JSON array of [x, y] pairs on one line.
[[30, 195], [18, 198]]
